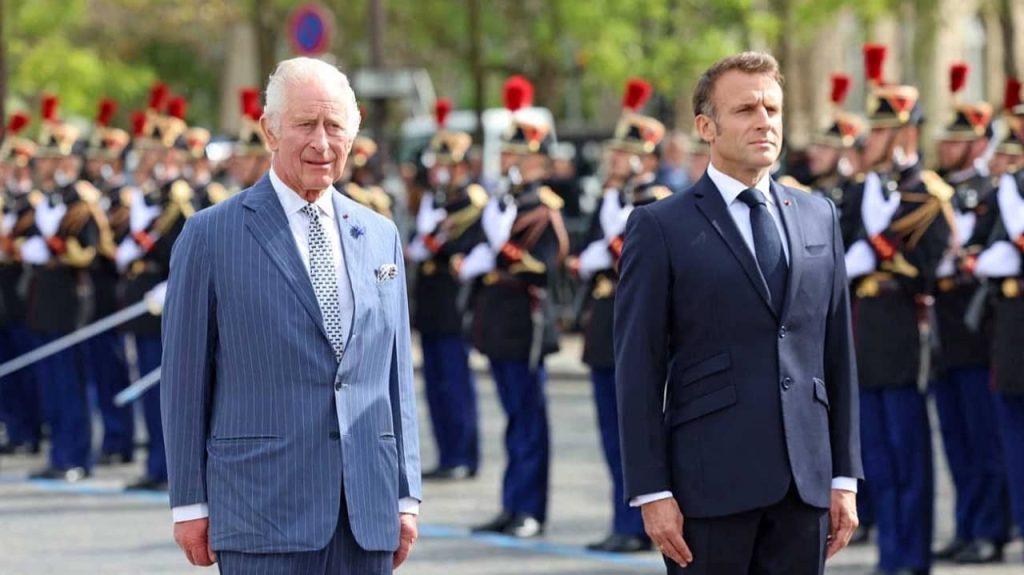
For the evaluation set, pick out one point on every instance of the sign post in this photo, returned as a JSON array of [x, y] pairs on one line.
[[310, 29]]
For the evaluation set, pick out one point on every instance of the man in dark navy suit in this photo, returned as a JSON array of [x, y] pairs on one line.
[[736, 391]]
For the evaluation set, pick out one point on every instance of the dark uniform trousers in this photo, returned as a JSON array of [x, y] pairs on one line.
[[19, 391], [107, 372], [450, 390]]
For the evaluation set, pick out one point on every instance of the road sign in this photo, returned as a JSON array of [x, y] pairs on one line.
[[310, 29]]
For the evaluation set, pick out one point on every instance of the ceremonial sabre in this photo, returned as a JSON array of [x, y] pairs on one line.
[[135, 390], [151, 303]]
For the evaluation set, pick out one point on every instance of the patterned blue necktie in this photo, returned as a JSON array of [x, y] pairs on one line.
[[767, 246], [325, 279]]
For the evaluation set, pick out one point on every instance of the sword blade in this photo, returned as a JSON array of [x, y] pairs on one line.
[[135, 390], [74, 338]]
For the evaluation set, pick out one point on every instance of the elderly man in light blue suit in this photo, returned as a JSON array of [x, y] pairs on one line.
[[287, 391]]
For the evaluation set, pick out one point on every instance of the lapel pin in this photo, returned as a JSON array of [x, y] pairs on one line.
[[357, 231], [787, 202]]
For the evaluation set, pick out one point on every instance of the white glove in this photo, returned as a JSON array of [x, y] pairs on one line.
[[127, 252], [1011, 206], [428, 217], [860, 260], [155, 298], [417, 251], [1000, 260], [498, 224], [965, 223], [35, 251], [7, 223], [877, 212], [594, 258], [947, 266], [613, 215], [478, 261], [140, 215], [48, 218]]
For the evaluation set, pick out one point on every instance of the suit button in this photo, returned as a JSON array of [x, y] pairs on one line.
[[787, 383], [337, 386], [334, 435], [782, 332]]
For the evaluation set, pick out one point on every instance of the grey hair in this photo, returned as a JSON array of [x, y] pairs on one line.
[[302, 69]]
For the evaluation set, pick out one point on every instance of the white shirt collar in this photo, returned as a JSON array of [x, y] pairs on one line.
[[292, 202], [731, 188]]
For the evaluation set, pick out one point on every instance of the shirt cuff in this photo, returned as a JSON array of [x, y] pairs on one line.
[[190, 512], [409, 506], [649, 498], [845, 484]]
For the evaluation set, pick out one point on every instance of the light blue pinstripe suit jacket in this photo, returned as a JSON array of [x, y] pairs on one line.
[[253, 400]]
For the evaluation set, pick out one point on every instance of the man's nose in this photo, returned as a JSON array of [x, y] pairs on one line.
[[318, 140]]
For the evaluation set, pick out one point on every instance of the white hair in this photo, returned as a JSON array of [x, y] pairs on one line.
[[300, 70]]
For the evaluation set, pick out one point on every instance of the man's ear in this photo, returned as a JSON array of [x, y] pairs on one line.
[[705, 128], [268, 135]]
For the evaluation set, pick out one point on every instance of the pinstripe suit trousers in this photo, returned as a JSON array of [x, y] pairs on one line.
[[342, 556]]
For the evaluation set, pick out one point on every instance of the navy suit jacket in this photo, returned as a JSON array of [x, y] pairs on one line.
[[722, 402], [260, 421]]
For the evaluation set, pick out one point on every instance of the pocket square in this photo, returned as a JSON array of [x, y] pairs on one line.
[[386, 272]]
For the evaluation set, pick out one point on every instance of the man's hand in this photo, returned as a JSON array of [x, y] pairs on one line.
[[194, 539], [406, 538], [842, 520], [663, 522]]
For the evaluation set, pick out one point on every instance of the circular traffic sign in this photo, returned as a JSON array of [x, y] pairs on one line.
[[310, 29]]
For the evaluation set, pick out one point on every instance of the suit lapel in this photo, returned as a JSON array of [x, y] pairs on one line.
[[269, 225], [712, 205], [790, 211], [353, 248]]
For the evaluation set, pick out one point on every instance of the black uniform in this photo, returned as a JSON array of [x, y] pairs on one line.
[[506, 299], [437, 289], [888, 308]]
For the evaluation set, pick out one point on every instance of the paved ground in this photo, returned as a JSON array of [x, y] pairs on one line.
[[94, 527]]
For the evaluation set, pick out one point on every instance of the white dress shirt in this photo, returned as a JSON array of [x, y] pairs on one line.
[[731, 188], [293, 203]]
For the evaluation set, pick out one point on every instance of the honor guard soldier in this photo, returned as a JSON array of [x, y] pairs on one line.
[[103, 354], [630, 183], [198, 170], [448, 223], [513, 321], [906, 229], [1000, 263], [250, 158], [834, 162], [61, 247], [699, 158], [361, 184], [19, 391], [156, 218], [963, 399]]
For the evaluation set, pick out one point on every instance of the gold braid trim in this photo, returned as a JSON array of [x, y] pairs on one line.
[[459, 221], [180, 205]]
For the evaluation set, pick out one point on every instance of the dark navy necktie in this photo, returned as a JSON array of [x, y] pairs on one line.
[[767, 246]]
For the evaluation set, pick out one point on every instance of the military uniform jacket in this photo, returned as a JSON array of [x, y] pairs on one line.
[[510, 301], [12, 305], [437, 288], [599, 311], [960, 346], [60, 299], [886, 329], [1006, 296], [846, 194], [156, 241], [105, 277]]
